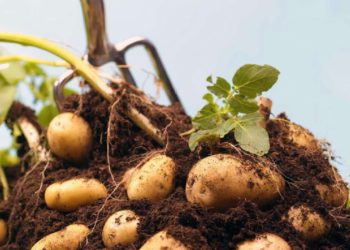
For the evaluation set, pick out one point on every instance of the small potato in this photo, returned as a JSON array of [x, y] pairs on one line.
[[70, 137], [266, 241], [307, 222], [69, 195], [120, 228], [220, 181], [335, 195], [68, 238], [162, 240], [3, 232], [154, 180]]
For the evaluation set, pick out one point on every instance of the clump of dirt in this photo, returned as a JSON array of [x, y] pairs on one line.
[[29, 218]]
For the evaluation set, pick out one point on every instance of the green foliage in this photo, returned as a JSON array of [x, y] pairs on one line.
[[231, 107]]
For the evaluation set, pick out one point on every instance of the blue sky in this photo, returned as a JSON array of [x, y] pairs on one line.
[[308, 41]]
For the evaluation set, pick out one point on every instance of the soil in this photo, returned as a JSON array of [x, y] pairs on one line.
[[29, 219]]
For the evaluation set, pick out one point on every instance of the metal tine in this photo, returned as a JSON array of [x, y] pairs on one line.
[[58, 90]]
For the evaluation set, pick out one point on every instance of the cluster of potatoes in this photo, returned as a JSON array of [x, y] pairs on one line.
[[218, 182]]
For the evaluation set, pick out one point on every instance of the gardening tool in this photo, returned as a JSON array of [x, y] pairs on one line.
[[100, 51]]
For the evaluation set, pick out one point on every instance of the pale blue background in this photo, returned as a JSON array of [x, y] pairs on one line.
[[308, 41]]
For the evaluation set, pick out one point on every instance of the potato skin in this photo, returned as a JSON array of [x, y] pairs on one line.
[[68, 238], [266, 241], [162, 240], [220, 181], [307, 222], [70, 137], [120, 228], [3, 232], [336, 194], [302, 137], [69, 195], [154, 180]]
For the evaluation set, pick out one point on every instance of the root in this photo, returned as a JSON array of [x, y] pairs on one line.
[[41, 185]]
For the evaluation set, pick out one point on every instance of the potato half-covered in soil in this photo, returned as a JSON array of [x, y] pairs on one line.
[[68, 238], [71, 194], [307, 222], [154, 180], [220, 181], [163, 240], [70, 137], [120, 229], [336, 194], [266, 241]]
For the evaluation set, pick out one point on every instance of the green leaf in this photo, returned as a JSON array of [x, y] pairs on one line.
[[251, 80], [207, 117], [46, 114], [241, 104], [211, 134], [209, 98], [12, 72], [68, 92], [221, 88], [210, 79], [7, 96], [252, 138], [250, 119], [7, 159]]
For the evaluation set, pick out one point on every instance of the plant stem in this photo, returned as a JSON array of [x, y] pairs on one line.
[[4, 184], [24, 58], [84, 69]]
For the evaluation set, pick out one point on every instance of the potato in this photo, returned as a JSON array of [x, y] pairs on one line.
[[220, 181], [120, 228], [335, 195], [3, 232], [162, 240], [69, 195], [266, 241], [307, 222], [154, 180], [70, 137], [68, 238]]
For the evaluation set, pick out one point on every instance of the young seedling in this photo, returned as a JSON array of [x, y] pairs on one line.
[[232, 107]]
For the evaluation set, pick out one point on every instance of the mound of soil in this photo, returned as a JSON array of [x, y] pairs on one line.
[[29, 219]]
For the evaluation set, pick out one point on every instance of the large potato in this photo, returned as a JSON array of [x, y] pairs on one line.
[[120, 228], [70, 137], [265, 241], [3, 231], [307, 222], [336, 194], [71, 194], [68, 238], [161, 241], [221, 180], [154, 180]]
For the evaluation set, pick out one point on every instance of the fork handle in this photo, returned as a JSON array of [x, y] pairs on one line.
[[95, 27]]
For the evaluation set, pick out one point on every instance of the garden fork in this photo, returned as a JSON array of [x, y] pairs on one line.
[[100, 51]]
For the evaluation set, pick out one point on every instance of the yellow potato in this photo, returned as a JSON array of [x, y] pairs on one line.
[[162, 240], [220, 181], [120, 228], [266, 241], [68, 238], [71, 194], [70, 137], [3, 232], [336, 194], [307, 222], [154, 180]]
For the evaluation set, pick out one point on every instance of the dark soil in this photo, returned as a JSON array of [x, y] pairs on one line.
[[29, 219]]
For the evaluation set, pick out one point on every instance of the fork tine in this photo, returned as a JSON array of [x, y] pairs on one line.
[[58, 91], [124, 46]]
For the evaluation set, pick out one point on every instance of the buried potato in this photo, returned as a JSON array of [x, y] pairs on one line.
[[71, 194], [3, 231], [154, 180], [307, 222], [68, 238], [120, 229], [70, 137], [221, 180], [267, 241], [162, 240]]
